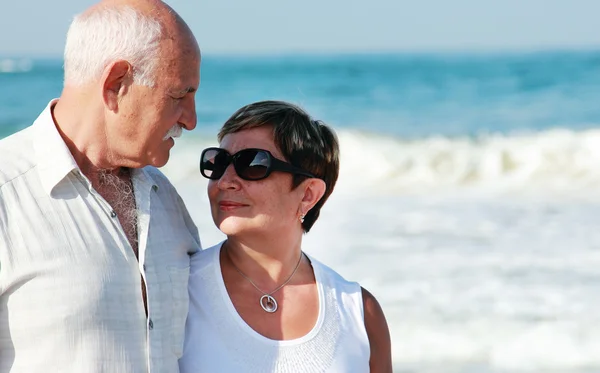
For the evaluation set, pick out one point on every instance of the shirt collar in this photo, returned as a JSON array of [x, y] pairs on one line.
[[144, 178], [53, 157]]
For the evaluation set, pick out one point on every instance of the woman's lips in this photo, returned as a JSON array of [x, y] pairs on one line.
[[230, 205]]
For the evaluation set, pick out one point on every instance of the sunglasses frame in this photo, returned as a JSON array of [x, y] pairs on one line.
[[274, 164]]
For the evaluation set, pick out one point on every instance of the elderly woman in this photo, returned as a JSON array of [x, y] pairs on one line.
[[257, 302]]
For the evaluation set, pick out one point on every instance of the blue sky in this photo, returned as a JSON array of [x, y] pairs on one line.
[[37, 28]]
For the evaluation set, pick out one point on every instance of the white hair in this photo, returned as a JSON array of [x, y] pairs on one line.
[[102, 37]]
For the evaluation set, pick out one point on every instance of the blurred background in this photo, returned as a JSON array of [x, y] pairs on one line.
[[470, 177]]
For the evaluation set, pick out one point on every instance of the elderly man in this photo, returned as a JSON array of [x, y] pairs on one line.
[[95, 243]]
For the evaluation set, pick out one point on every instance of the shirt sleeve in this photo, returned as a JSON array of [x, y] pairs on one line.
[[4, 241], [192, 228]]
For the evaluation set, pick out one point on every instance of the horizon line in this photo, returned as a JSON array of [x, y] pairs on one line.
[[354, 52]]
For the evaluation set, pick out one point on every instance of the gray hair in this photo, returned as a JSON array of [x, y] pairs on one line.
[[106, 35]]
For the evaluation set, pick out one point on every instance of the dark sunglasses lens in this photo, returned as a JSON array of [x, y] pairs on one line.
[[252, 164], [213, 163]]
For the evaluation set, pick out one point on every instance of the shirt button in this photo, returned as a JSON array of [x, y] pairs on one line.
[[113, 214], [144, 267], [150, 324], [155, 188]]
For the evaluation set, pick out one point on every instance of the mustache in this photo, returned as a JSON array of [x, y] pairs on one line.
[[174, 132]]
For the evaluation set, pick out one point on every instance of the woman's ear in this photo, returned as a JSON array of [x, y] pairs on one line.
[[116, 79], [314, 189]]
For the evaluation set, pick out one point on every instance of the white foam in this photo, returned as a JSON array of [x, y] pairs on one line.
[[503, 285]]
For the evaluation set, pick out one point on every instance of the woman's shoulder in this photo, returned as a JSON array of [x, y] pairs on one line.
[[332, 277], [204, 258]]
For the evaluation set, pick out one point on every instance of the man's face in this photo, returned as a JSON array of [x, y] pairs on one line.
[[144, 134]]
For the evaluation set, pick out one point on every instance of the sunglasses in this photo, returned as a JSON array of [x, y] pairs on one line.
[[249, 164]]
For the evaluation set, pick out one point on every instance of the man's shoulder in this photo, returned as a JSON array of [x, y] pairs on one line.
[[17, 155]]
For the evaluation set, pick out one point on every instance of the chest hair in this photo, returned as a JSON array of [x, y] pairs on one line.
[[117, 190]]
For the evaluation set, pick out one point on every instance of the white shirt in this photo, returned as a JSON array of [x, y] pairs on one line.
[[217, 339], [70, 285]]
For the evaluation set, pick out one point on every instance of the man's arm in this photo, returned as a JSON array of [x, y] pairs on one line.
[[378, 333]]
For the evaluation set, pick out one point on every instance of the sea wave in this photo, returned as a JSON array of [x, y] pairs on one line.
[[554, 160]]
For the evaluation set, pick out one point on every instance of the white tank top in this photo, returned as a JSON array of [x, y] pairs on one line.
[[217, 339]]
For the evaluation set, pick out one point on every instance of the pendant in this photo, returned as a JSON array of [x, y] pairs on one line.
[[268, 303]]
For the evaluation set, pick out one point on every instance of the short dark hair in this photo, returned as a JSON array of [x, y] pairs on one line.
[[304, 142]]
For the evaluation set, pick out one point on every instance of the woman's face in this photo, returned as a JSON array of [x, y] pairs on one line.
[[260, 207]]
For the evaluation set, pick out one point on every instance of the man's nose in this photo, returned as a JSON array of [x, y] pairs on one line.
[[189, 118]]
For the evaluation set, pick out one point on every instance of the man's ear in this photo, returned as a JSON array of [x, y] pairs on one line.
[[116, 79], [314, 189]]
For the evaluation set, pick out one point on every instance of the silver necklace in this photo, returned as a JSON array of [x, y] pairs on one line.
[[267, 301]]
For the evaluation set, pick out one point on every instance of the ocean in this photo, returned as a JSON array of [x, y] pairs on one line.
[[467, 198]]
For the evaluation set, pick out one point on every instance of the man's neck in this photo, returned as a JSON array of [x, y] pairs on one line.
[[80, 125]]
